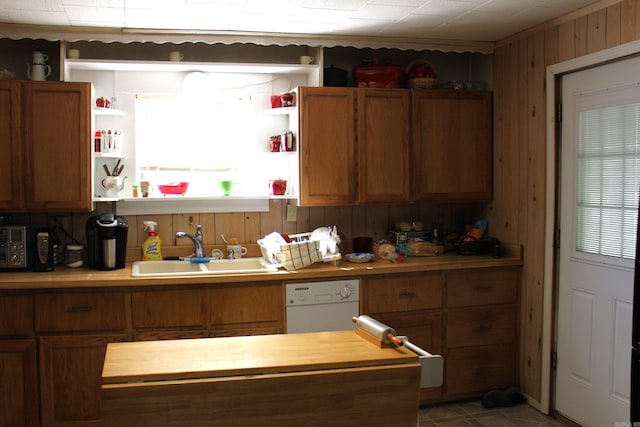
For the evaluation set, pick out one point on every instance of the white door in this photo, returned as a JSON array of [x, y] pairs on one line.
[[599, 177]]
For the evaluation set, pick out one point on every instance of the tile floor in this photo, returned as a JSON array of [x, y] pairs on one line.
[[472, 414]]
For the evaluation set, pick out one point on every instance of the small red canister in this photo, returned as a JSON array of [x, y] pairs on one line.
[[275, 101]]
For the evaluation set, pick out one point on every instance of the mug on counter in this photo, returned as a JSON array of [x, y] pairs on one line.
[[145, 188], [236, 251]]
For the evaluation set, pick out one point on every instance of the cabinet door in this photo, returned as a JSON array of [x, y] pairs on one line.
[[11, 160], [173, 314], [18, 384], [57, 136], [423, 329], [250, 309], [470, 371], [452, 139], [71, 378], [383, 145], [327, 146]]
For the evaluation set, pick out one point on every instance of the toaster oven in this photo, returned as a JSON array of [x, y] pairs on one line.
[[14, 247]]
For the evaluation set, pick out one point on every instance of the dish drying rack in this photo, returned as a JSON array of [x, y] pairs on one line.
[[302, 251]]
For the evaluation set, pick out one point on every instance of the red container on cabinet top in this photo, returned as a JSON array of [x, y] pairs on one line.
[[376, 75]]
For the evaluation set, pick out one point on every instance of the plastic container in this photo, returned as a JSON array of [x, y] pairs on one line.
[[74, 256]]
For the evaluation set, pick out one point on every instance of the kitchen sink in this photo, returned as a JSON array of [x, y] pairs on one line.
[[214, 267]]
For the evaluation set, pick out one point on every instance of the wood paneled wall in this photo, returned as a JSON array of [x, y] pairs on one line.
[[520, 150]]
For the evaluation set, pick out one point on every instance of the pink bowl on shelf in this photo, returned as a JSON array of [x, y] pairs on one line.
[[174, 188]]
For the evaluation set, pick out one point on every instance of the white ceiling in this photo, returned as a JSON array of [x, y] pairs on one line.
[[469, 20]]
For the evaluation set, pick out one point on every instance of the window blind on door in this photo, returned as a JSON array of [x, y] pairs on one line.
[[608, 175]]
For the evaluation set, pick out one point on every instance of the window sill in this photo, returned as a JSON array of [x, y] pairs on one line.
[[182, 204]]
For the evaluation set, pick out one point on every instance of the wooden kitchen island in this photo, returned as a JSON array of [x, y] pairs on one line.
[[325, 378]]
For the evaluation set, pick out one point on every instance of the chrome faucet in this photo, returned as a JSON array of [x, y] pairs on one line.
[[197, 240]]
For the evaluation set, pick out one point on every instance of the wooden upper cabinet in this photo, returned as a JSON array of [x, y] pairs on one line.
[[327, 146], [57, 146], [11, 161], [354, 145], [452, 140], [383, 145]]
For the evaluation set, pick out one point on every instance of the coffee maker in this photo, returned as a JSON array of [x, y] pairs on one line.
[[107, 241]]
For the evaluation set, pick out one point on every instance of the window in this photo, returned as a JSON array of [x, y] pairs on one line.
[[214, 130], [608, 172]]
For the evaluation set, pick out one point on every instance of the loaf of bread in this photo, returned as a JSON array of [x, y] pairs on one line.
[[419, 247]]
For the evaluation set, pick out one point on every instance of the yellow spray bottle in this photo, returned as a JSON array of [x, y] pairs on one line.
[[152, 246]]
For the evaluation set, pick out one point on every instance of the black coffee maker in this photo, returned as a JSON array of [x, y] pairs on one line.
[[107, 241]]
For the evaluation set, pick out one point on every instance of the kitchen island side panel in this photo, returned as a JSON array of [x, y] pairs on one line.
[[371, 396]]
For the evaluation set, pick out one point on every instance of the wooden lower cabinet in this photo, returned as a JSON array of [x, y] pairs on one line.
[[470, 317], [471, 371], [18, 383], [412, 305], [246, 309], [481, 331], [169, 314], [424, 330], [71, 377]]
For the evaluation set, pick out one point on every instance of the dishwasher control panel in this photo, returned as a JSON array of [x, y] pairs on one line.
[[327, 292]]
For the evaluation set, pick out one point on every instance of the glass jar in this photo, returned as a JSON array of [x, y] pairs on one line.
[[74, 256]]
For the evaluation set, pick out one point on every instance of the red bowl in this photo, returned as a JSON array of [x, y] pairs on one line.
[[174, 188]]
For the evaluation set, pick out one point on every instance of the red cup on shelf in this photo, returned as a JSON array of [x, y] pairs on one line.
[[275, 145], [286, 99], [277, 187]]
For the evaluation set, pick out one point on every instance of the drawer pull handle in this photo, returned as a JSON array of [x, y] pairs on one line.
[[484, 288], [79, 308], [408, 295]]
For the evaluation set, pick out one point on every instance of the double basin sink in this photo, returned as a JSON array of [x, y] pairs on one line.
[[213, 267]]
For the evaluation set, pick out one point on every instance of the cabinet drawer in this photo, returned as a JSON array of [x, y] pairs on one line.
[[16, 315], [479, 326], [467, 288], [405, 292], [168, 309], [478, 369], [101, 311]]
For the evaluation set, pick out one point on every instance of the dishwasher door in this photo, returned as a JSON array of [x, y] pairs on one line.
[[322, 306]]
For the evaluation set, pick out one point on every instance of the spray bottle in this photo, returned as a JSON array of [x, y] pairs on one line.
[[152, 247]]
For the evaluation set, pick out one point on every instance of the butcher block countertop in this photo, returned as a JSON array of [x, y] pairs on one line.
[[247, 355], [312, 379], [70, 278]]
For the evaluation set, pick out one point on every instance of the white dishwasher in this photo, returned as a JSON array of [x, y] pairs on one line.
[[322, 306]]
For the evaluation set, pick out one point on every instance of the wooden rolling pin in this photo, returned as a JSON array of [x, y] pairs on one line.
[[376, 332]]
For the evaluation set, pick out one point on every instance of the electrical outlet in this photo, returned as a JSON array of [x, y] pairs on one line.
[[292, 213]]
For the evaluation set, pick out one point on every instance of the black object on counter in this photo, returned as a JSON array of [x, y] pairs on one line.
[[43, 247], [107, 241]]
